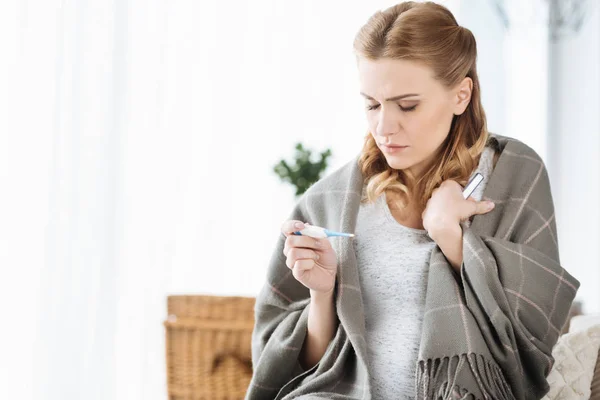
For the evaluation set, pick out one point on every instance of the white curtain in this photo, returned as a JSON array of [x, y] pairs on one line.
[[138, 143], [138, 139]]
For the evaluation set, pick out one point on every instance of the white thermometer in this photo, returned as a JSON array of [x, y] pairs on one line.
[[472, 185], [318, 232]]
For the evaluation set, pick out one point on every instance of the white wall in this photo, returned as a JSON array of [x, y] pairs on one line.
[[285, 74], [574, 150], [481, 18]]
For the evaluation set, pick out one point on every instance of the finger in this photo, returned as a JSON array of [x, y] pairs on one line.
[[290, 226], [482, 207], [296, 254], [306, 242], [301, 266]]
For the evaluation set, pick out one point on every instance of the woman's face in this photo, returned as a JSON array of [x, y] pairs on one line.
[[406, 106]]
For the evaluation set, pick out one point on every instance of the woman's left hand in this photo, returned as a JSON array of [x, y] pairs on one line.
[[446, 209]]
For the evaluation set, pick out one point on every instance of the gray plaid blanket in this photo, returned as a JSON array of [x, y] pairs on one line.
[[487, 334]]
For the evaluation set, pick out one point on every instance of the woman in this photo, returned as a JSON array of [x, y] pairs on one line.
[[425, 301]]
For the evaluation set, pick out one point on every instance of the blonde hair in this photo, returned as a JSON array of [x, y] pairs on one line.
[[427, 33]]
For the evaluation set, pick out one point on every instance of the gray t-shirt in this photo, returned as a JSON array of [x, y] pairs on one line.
[[393, 262]]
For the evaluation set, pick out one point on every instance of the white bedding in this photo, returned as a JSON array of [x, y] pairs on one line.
[[575, 356]]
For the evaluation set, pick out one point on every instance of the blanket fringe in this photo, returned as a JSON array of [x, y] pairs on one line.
[[436, 378]]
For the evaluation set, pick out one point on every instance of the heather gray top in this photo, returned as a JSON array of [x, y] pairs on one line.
[[393, 263]]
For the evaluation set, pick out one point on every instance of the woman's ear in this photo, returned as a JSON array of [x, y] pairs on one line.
[[463, 95]]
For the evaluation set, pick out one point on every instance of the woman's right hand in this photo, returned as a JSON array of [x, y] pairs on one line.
[[313, 261]]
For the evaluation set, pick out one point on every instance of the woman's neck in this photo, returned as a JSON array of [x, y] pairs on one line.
[[409, 215]]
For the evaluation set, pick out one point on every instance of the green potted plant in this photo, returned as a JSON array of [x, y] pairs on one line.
[[303, 172]]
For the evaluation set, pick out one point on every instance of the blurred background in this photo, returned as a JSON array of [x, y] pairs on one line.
[[138, 141]]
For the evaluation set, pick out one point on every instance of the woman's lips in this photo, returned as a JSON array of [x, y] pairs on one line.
[[392, 148]]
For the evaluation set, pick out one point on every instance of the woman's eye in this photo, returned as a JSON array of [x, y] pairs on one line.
[[409, 108], [405, 109]]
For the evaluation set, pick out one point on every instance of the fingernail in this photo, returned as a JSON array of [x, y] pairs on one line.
[[318, 256], [298, 225], [317, 243], [490, 205]]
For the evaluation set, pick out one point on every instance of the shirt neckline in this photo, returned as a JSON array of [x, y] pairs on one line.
[[390, 217]]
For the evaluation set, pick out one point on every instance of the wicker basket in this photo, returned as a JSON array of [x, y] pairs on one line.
[[208, 347]]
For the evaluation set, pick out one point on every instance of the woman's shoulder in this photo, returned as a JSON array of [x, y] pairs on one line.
[[513, 146], [335, 188], [324, 200], [519, 164], [336, 180]]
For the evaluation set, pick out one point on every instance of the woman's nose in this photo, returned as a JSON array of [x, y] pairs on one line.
[[387, 125]]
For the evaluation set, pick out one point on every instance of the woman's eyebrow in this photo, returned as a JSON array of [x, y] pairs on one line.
[[391, 98]]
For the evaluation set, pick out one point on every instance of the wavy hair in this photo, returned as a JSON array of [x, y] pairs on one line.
[[427, 33]]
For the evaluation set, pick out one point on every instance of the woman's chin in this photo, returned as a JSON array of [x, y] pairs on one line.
[[398, 162]]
